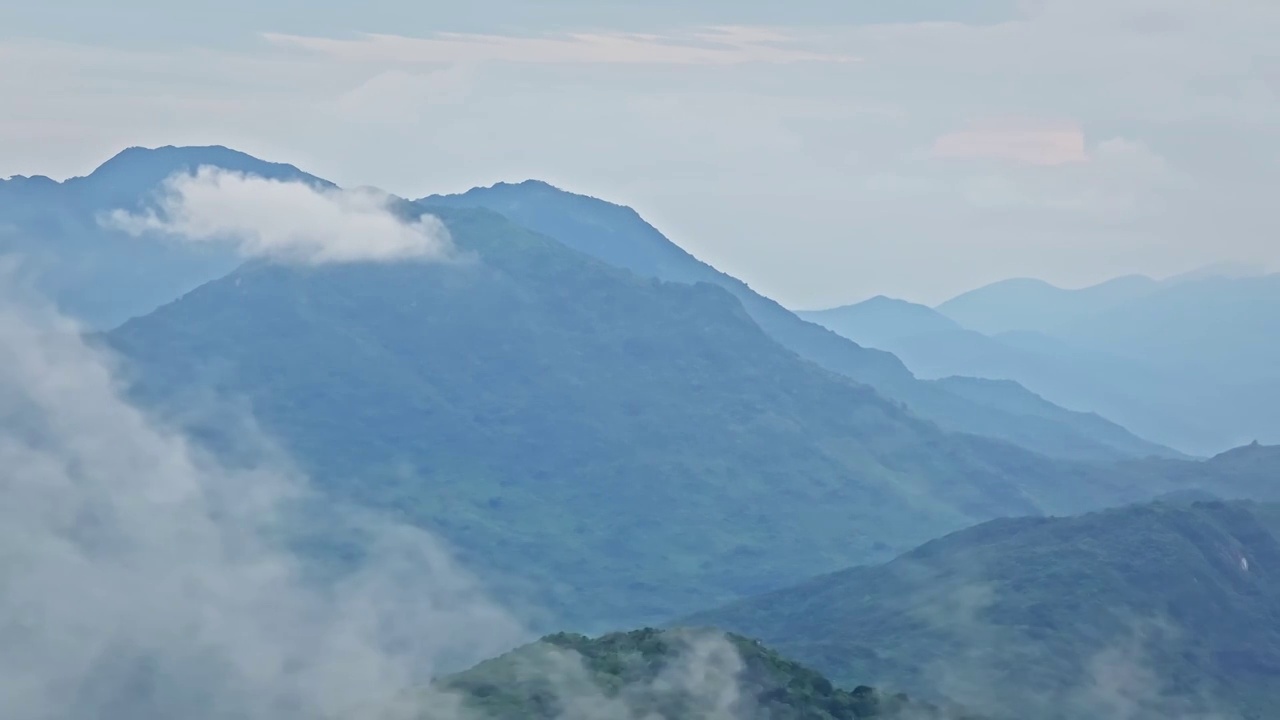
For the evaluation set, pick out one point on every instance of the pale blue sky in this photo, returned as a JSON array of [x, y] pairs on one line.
[[822, 151]]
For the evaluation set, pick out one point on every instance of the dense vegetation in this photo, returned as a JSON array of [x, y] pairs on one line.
[[617, 235], [617, 450], [673, 674], [634, 448], [1168, 608]]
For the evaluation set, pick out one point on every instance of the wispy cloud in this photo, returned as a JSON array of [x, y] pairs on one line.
[[729, 153], [287, 220], [141, 578], [728, 45], [1025, 141]]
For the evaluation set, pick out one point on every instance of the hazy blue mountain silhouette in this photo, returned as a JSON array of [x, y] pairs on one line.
[[1192, 362], [100, 275], [618, 235], [882, 320], [1046, 370], [1029, 304]]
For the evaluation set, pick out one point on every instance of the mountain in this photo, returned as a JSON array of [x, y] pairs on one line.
[[618, 235], [1209, 325], [1159, 610], [882, 320], [616, 449], [1015, 399], [999, 375], [672, 674], [931, 344], [100, 275], [1191, 361], [1029, 304]]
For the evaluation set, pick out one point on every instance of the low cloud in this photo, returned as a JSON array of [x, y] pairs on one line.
[[141, 578], [290, 221]]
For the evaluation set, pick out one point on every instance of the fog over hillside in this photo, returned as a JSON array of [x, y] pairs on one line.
[[609, 360]]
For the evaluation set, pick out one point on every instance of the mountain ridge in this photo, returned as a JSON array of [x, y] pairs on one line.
[[115, 277], [618, 235], [1190, 361], [1178, 590], [606, 433]]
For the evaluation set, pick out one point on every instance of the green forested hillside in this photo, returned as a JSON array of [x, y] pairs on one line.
[[615, 450], [618, 235], [673, 674], [1170, 609], [103, 277]]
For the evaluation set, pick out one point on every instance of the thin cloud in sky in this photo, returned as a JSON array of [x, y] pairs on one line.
[[1018, 141], [728, 45]]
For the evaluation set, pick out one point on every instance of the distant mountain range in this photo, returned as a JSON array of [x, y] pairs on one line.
[[619, 236], [1192, 362], [1022, 304], [1151, 611]]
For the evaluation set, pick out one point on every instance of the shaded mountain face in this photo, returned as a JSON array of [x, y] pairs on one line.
[[990, 372], [1022, 304], [619, 236], [1046, 374], [672, 674], [620, 449], [1151, 611], [100, 275], [882, 320], [1190, 362]]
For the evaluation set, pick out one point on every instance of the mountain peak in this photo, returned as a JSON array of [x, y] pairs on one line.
[[885, 300], [137, 169], [535, 184], [137, 156], [877, 320]]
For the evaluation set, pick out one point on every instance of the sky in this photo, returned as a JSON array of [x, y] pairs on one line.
[[823, 151]]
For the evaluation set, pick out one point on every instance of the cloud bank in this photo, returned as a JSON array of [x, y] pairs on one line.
[[290, 221], [141, 578]]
